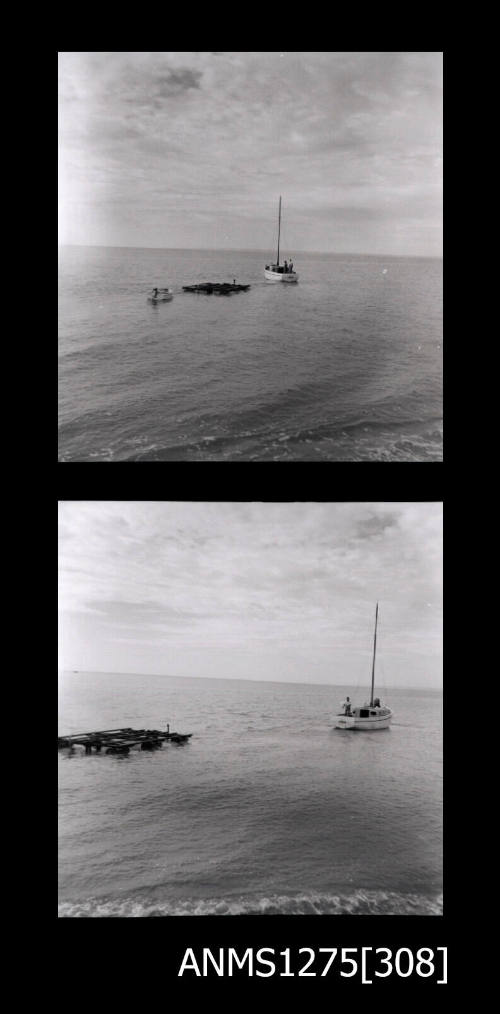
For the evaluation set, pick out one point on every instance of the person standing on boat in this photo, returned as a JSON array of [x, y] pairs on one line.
[[346, 706], [290, 266], [286, 268]]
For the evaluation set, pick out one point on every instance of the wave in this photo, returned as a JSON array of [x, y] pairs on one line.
[[298, 424], [360, 902], [356, 440]]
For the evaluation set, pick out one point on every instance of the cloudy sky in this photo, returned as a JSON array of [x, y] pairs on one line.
[[267, 591], [193, 150]]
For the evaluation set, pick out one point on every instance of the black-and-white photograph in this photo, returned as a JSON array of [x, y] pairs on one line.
[[250, 708], [250, 256]]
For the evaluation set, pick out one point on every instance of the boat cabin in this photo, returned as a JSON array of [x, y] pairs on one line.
[[369, 711], [279, 269]]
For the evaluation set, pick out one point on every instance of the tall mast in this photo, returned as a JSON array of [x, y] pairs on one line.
[[374, 650], [279, 228]]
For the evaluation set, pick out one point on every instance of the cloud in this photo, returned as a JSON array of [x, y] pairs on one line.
[[178, 126], [233, 576], [176, 81]]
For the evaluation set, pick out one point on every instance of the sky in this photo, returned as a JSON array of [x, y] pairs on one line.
[[193, 150], [252, 590]]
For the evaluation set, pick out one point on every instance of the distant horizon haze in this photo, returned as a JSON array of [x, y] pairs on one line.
[[264, 253], [243, 679]]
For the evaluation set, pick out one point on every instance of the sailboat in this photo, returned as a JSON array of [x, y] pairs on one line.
[[370, 716], [280, 272]]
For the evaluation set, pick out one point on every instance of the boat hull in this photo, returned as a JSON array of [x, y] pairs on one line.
[[164, 296], [368, 724], [280, 276]]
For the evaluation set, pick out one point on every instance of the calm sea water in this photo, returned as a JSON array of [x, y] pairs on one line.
[[267, 809], [346, 365]]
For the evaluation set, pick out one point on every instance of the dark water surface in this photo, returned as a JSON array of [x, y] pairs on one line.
[[267, 809], [346, 365]]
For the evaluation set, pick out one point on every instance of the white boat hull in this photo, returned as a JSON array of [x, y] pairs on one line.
[[280, 276], [369, 724], [164, 296]]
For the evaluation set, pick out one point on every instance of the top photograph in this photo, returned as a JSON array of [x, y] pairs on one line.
[[250, 256]]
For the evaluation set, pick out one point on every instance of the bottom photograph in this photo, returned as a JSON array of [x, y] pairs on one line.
[[250, 708]]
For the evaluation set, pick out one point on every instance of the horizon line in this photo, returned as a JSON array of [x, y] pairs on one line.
[[231, 249], [245, 679]]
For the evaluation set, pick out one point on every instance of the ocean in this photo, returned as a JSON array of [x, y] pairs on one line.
[[267, 809], [344, 366]]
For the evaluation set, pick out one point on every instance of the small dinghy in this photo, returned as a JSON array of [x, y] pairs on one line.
[[160, 296]]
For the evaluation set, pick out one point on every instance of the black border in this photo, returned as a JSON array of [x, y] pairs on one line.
[[204, 480], [138, 960]]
